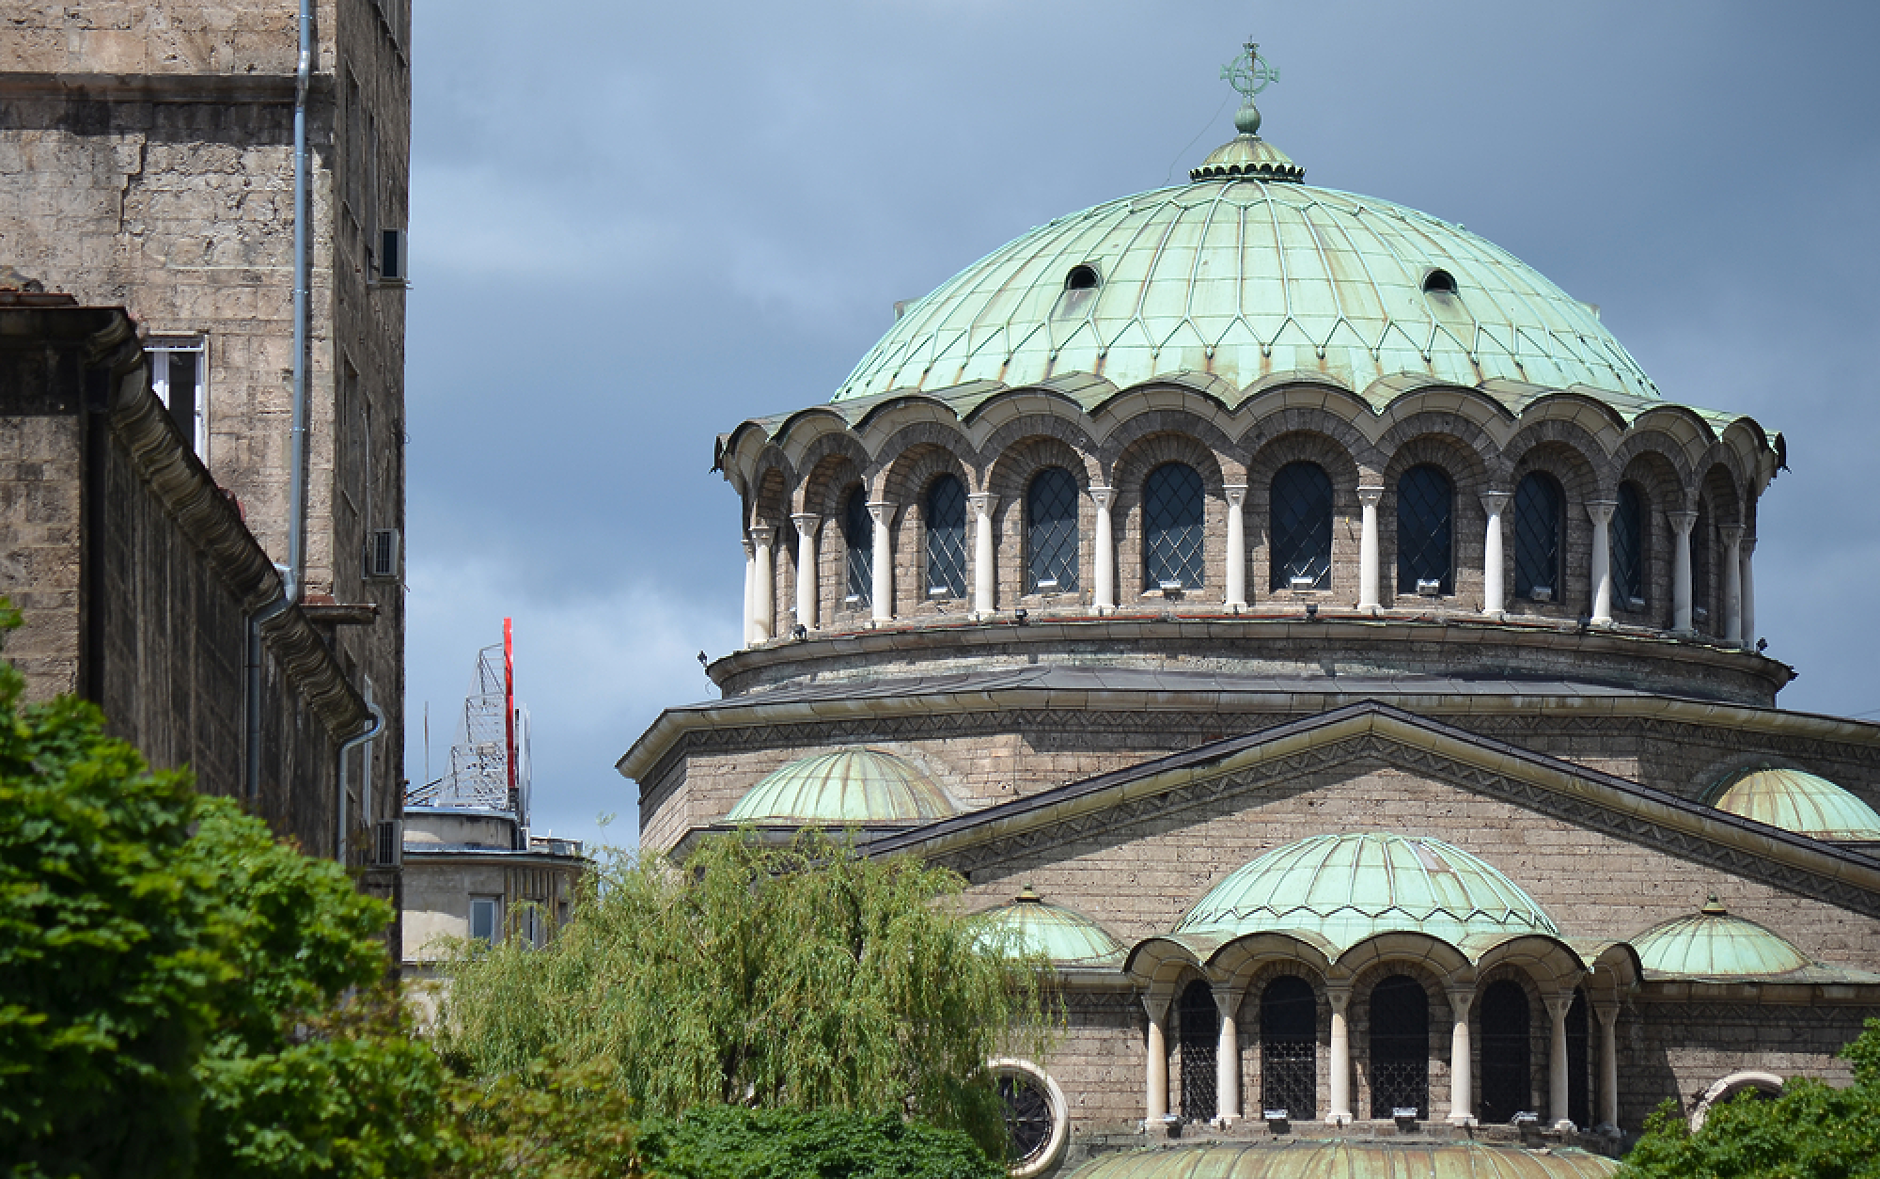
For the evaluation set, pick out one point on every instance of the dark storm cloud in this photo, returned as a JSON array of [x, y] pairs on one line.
[[635, 225]]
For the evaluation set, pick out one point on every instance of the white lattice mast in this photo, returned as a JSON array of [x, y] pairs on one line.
[[488, 767]]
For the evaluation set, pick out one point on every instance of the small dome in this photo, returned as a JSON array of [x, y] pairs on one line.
[[849, 787], [1065, 936], [1710, 943], [1801, 802], [1373, 1159], [1342, 889]]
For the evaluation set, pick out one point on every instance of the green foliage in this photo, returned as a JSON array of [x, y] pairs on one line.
[[801, 976], [1810, 1131], [545, 1122], [728, 1142]]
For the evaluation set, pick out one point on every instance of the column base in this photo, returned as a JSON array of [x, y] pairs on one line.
[[1565, 1126], [1235, 607], [1338, 1119], [1455, 1119]]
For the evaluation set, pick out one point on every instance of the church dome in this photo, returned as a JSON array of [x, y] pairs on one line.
[[1800, 802], [1711, 943], [1241, 277], [849, 787], [1374, 1159], [1342, 889], [1065, 936]]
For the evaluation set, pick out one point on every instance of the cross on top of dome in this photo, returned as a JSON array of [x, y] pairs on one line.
[[1249, 74]]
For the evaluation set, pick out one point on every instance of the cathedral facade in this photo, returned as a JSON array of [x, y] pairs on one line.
[[1310, 628]]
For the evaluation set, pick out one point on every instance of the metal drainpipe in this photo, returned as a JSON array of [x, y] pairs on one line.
[[297, 478], [256, 621], [346, 747]]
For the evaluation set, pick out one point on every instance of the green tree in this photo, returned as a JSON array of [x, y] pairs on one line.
[[1810, 1131], [801, 976]]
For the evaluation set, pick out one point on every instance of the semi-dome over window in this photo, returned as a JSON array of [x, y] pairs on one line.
[[1301, 527], [1801, 802], [1028, 925], [858, 538], [1425, 532], [1539, 516], [1051, 532], [1712, 943], [1628, 547], [945, 516], [1172, 514], [848, 787]]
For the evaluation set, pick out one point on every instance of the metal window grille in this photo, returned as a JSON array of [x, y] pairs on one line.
[[1051, 532], [1579, 1037], [858, 537], [1538, 506], [1506, 1076], [1172, 513], [1289, 1049], [1028, 1121], [1425, 530], [1200, 1039], [1301, 526], [1400, 1047], [946, 538], [1628, 545]]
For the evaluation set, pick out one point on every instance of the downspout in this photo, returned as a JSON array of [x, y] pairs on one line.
[[347, 746], [257, 620], [297, 477]]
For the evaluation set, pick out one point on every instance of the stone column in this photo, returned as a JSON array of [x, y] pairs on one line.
[[1227, 1056], [764, 587], [1608, 1014], [1748, 591], [882, 513], [1236, 579], [1557, 1006], [1732, 582], [1157, 1071], [1681, 525], [1461, 1081], [1103, 594], [984, 572], [1340, 1115], [1369, 497], [750, 590], [1494, 576], [1601, 511], [807, 525]]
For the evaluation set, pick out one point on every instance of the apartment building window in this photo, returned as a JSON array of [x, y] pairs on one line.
[[179, 376], [483, 914]]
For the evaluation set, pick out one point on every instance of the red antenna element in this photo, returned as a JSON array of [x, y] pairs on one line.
[[509, 702]]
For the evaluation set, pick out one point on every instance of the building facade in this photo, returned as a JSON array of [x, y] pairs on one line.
[[1308, 626]]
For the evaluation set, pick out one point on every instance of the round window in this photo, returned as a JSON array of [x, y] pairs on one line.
[[1037, 1121]]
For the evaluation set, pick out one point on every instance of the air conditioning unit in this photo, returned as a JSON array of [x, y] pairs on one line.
[[382, 554], [388, 843], [394, 266]]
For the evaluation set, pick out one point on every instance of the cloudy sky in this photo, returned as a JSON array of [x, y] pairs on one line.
[[635, 225]]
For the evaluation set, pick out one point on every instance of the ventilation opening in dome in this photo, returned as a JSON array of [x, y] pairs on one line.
[[1081, 278], [1439, 282]]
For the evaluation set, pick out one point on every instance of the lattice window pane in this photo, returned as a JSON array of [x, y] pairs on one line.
[[1425, 530], [1200, 1039], [1289, 1050], [1172, 515], [858, 537], [1302, 527], [1400, 1047], [1506, 1088], [946, 537], [1537, 528], [1051, 532], [1028, 1121], [1628, 547], [1700, 570]]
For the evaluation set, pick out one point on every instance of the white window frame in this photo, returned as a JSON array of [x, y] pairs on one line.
[[495, 908], [160, 351]]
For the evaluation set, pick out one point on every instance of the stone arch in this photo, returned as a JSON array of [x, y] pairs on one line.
[[1335, 457], [827, 467], [1661, 485], [1726, 1088], [1129, 471], [1281, 420], [1130, 435], [1367, 1092], [1009, 479], [1302, 1069], [1468, 473], [905, 483], [899, 457], [1553, 448], [1485, 1051], [1013, 440]]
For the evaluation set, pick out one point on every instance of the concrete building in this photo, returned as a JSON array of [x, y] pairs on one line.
[[1342, 651], [235, 176]]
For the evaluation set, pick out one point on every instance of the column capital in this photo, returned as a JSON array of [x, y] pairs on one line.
[[1370, 495], [1601, 510], [881, 511], [1494, 502], [983, 502], [1682, 522], [1157, 1006], [1732, 534], [809, 522], [750, 546], [1338, 997], [1228, 997], [1236, 493], [1461, 998], [762, 535], [1102, 496], [1607, 1010], [1558, 1006], [1748, 545]]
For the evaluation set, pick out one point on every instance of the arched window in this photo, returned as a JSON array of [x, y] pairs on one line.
[[1539, 513], [1400, 1047], [1289, 1048], [1628, 547], [1700, 569], [1171, 527], [1200, 1034], [945, 514], [1425, 532], [1579, 1062], [858, 537], [1051, 533], [1506, 1073], [1301, 527]]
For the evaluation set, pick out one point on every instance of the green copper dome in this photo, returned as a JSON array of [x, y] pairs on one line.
[[1342, 889], [1802, 803], [849, 787], [1367, 1159], [1245, 276], [1065, 936], [1710, 943]]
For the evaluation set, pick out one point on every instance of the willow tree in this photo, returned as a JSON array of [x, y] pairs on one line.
[[798, 976]]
